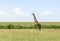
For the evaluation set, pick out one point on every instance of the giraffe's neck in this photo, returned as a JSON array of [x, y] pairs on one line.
[[35, 19]]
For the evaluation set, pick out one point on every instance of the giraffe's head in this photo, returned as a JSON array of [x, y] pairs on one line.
[[33, 14]]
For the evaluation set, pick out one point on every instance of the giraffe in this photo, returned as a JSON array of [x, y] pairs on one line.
[[37, 24]]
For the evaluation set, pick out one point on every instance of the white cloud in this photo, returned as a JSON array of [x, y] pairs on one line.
[[2, 14], [46, 13], [20, 15], [20, 12], [17, 15]]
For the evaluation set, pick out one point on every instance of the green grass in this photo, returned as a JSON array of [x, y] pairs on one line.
[[11, 26], [29, 23], [29, 35]]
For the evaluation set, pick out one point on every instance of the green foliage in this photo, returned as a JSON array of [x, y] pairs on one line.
[[51, 26], [28, 27], [1, 26], [10, 26]]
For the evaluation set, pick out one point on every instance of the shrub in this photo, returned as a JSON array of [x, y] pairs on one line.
[[1, 26], [28, 27], [10, 26]]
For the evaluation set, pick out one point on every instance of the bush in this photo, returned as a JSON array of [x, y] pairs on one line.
[[50, 26], [1, 26], [28, 27], [10, 26]]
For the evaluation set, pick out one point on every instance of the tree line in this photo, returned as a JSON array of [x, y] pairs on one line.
[[10, 26]]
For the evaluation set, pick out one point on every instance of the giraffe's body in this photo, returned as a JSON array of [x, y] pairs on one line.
[[37, 24]]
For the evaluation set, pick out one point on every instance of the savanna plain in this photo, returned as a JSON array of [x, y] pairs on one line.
[[29, 34]]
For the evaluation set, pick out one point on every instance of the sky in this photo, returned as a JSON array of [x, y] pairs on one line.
[[21, 10]]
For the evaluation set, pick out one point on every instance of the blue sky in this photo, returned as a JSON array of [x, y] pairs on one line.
[[21, 10]]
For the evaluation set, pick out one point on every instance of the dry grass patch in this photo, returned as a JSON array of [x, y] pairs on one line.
[[29, 35]]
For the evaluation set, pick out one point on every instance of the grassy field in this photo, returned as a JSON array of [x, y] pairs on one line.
[[29, 35], [29, 23]]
